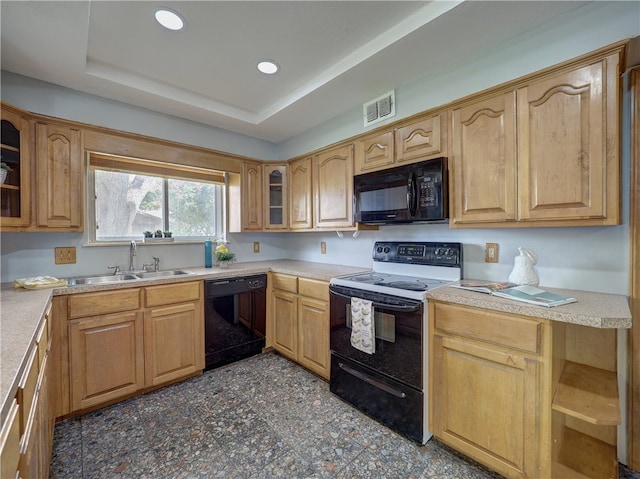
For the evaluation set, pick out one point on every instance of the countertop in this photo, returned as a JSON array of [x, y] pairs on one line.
[[22, 310], [599, 310]]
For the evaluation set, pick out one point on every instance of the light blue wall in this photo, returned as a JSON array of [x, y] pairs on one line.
[[590, 258]]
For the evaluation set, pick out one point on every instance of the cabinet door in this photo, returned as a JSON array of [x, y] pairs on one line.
[[251, 196], [10, 442], [563, 145], [374, 153], [483, 162], [59, 167], [422, 140], [15, 188], [276, 208], [313, 335], [333, 188], [300, 212], [174, 342], [285, 324], [106, 358], [484, 404]]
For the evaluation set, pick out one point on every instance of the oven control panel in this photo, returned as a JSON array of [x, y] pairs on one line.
[[425, 253]]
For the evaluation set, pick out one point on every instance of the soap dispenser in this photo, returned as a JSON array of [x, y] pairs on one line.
[[524, 271]]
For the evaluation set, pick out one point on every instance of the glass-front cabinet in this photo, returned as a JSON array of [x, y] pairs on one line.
[[15, 191], [276, 189]]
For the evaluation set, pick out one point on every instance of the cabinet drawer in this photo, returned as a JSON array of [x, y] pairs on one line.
[[27, 388], [10, 443], [284, 282], [172, 293], [313, 288], [493, 327], [103, 302]]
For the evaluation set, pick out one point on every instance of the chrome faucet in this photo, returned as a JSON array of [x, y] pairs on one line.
[[133, 251]]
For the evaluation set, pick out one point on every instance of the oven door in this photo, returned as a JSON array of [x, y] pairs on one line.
[[399, 334]]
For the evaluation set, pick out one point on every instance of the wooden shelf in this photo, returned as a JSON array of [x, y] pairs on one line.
[[589, 394], [5, 186], [10, 148], [584, 457]]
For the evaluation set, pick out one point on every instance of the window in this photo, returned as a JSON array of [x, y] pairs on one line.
[[133, 196]]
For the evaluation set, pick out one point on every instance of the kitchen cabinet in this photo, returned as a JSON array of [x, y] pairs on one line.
[[487, 387], [60, 177], [333, 188], [252, 202], [276, 209], [15, 190], [526, 396], [301, 194], [417, 141], [127, 341], [26, 435], [173, 332], [300, 321], [542, 153]]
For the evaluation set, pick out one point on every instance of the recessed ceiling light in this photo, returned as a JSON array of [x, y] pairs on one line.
[[169, 19], [268, 67]]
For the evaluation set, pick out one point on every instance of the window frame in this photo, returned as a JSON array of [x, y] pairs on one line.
[[163, 170]]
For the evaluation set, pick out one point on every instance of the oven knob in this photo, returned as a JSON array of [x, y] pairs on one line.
[[439, 251], [379, 249], [387, 249]]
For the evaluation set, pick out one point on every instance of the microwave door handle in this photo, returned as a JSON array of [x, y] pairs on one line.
[[412, 194]]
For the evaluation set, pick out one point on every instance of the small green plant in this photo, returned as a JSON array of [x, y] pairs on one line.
[[148, 234], [167, 234], [225, 256], [158, 233], [4, 166]]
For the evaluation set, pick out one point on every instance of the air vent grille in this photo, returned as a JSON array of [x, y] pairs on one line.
[[380, 109]]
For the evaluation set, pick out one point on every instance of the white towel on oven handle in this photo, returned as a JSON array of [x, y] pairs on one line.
[[363, 333]]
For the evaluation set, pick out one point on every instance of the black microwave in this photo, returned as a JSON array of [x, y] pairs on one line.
[[404, 194]]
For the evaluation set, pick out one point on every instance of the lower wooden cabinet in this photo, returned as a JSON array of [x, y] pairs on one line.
[[299, 321], [106, 356], [124, 341], [525, 396]]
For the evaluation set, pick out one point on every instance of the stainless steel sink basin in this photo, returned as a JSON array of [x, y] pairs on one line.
[[163, 274], [117, 278], [112, 278]]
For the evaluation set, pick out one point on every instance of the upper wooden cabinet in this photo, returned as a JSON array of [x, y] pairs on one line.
[[276, 188], [414, 142], [545, 153], [15, 190], [333, 188], [60, 179], [251, 196], [301, 199]]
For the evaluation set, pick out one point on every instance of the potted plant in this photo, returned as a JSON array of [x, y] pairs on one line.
[[4, 170], [158, 234], [167, 234], [224, 256], [148, 234]]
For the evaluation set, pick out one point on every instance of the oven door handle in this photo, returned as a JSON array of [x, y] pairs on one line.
[[373, 381], [407, 308]]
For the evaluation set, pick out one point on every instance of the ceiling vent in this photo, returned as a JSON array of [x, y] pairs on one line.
[[380, 109]]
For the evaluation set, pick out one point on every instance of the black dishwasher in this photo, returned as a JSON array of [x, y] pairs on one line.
[[235, 318]]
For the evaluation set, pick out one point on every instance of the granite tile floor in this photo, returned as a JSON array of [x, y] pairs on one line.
[[262, 417]]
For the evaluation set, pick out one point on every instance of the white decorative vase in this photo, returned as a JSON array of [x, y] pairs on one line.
[[524, 271]]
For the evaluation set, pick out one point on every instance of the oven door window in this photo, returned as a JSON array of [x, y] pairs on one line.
[[400, 358]]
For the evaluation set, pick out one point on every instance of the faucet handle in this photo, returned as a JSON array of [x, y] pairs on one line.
[[115, 268], [145, 266], [156, 263]]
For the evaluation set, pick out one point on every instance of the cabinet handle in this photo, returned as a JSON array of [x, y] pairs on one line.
[[374, 382]]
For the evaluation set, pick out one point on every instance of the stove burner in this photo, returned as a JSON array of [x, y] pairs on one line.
[[367, 278], [409, 285]]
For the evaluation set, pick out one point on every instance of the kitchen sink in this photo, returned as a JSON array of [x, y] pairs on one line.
[[117, 278], [163, 274], [112, 278]]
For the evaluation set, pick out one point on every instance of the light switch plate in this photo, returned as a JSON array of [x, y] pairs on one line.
[[256, 246], [65, 255], [323, 247]]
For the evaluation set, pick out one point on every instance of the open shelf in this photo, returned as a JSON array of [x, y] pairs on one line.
[[5, 186], [584, 457], [589, 394]]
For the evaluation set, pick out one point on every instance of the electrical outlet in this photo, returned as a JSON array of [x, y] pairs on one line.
[[491, 253], [65, 255], [323, 247], [256, 246]]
